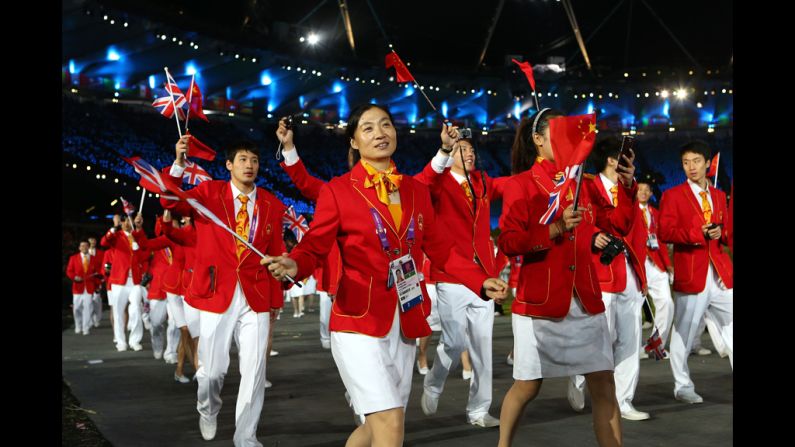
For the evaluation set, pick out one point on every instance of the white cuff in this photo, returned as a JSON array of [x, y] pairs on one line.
[[440, 161], [176, 170], [290, 157]]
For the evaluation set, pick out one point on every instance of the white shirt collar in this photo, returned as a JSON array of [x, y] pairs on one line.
[[696, 188], [458, 177], [236, 192]]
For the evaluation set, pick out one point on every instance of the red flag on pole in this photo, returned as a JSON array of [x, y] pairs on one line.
[[401, 71], [195, 101], [528, 71], [713, 166], [572, 138], [200, 150]]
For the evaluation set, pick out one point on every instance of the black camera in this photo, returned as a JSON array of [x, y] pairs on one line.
[[146, 279], [107, 267], [288, 122], [614, 247], [465, 133]]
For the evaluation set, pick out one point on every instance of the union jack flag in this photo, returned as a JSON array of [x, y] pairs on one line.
[[128, 207], [295, 223], [655, 346], [152, 180], [194, 174], [165, 105], [554, 197]]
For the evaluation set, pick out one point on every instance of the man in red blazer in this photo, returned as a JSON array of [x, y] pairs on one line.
[[125, 276], [658, 264], [461, 197], [692, 217], [234, 293], [96, 299], [82, 269], [623, 284]]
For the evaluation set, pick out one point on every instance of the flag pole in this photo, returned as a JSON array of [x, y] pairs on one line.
[[143, 196], [190, 97], [717, 165], [416, 84], [173, 103]]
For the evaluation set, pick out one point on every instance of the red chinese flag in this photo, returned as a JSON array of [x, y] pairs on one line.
[[572, 138], [401, 71], [528, 71], [195, 100], [713, 166], [199, 150]]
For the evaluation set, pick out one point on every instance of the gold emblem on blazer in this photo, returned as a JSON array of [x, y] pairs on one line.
[[268, 229], [419, 221]]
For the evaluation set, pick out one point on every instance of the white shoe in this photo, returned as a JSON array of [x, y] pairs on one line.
[[326, 344], [268, 384], [170, 359], [509, 360], [158, 355], [96, 324], [486, 421], [136, 347], [207, 428], [421, 370], [643, 355], [77, 331], [665, 355], [274, 353], [301, 314], [181, 379], [630, 413], [428, 403], [85, 332], [466, 374], [689, 397], [121, 347], [701, 351], [575, 396], [295, 315], [647, 325]]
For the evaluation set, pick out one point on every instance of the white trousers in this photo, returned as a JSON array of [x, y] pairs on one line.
[[96, 308], [660, 291], [176, 320], [714, 335], [325, 315], [157, 317], [714, 301], [81, 309], [467, 324], [215, 340], [623, 312], [128, 294]]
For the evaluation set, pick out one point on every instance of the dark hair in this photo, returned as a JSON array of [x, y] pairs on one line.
[[696, 147], [239, 146], [353, 124], [606, 147], [79, 243], [524, 150]]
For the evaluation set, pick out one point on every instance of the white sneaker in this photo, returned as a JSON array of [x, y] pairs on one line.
[[85, 332], [701, 351], [575, 396], [136, 347], [647, 325], [630, 413], [268, 384], [77, 331], [689, 397], [121, 347], [274, 353], [181, 379], [207, 428], [170, 359], [428, 403], [486, 421], [466, 374], [326, 344], [421, 370], [509, 360], [295, 315], [643, 355], [158, 355]]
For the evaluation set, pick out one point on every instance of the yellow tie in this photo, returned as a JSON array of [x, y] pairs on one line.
[[645, 219], [705, 206], [242, 226], [85, 263], [614, 193], [467, 191], [385, 182]]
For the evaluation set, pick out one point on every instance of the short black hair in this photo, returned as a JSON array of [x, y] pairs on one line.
[[239, 146], [696, 147], [607, 147]]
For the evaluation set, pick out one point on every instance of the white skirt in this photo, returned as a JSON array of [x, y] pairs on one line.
[[577, 344], [307, 288], [376, 371], [191, 319], [433, 319]]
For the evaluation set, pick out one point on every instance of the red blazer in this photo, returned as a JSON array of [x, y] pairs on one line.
[[730, 222], [516, 266], [174, 258], [470, 230], [553, 270], [125, 259], [98, 279], [185, 241], [660, 256], [681, 219], [613, 277], [309, 186], [343, 216], [217, 269], [88, 283], [107, 258]]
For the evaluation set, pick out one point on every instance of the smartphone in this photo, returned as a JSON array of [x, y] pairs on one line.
[[627, 144]]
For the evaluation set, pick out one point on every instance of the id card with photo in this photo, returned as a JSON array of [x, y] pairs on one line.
[[652, 242], [404, 273]]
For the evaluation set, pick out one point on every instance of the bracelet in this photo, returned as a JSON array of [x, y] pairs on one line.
[[441, 148]]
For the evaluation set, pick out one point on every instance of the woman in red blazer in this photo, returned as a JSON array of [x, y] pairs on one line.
[[377, 216], [558, 314]]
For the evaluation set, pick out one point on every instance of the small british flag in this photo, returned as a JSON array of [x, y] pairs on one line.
[[295, 223], [194, 174], [129, 209], [654, 346]]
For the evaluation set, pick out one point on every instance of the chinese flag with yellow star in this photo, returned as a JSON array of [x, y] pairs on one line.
[[572, 138]]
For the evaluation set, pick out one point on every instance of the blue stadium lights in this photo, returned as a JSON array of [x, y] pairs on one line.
[[517, 109], [71, 67], [666, 107], [265, 79], [409, 90], [151, 81], [444, 108], [337, 87], [270, 107], [113, 55], [190, 69], [117, 85]]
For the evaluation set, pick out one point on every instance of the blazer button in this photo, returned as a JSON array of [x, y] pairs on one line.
[[571, 267], [571, 238], [396, 251]]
